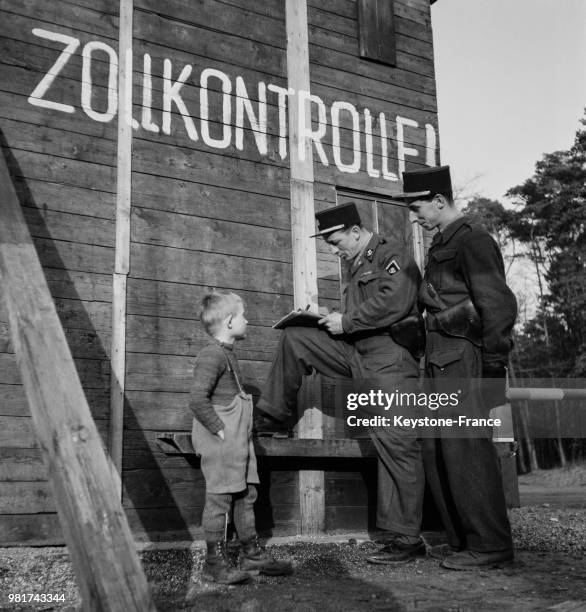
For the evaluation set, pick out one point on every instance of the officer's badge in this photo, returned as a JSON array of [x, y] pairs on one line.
[[369, 253], [393, 267]]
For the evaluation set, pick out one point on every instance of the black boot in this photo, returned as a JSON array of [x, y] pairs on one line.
[[399, 550], [217, 567], [255, 558], [266, 425]]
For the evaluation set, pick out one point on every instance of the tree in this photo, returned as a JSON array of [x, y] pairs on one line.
[[548, 227], [551, 219]]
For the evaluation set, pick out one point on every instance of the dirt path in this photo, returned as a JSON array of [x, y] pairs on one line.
[[335, 577], [328, 577], [548, 574]]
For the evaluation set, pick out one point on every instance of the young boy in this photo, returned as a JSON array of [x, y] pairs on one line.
[[222, 436]]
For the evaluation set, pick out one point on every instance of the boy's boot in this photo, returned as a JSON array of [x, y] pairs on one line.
[[218, 568], [255, 558]]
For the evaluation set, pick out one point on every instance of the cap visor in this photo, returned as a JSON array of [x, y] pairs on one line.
[[329, 230], [413, 195]]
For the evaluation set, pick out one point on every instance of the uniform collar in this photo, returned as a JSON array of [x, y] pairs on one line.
[[449, 231], [359, 258], [371, 246]]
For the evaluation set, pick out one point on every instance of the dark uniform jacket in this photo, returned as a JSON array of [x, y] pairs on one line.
[[382, 288], [463, 262]]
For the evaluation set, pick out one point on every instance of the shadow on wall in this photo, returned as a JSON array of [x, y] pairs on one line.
[[76, 290]]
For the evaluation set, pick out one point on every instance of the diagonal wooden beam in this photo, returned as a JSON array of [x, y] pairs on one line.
[[85, 485]]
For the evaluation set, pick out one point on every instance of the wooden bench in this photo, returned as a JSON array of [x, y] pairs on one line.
[[179, 443], [173, 443], [328, 447]]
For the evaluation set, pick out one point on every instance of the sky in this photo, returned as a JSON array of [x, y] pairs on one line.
[[511, 86]]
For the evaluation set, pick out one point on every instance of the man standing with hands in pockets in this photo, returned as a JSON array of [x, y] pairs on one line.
[[470, 317]]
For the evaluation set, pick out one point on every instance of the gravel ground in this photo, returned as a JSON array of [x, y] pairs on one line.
[[549, 529], [549, 574]]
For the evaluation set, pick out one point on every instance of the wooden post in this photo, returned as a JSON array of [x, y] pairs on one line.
[[311, 482], [85, 487], [122, 255]]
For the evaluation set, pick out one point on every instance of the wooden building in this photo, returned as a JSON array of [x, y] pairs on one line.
[[183, 145]]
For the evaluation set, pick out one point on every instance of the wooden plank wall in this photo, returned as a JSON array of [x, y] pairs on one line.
[[201, 217], [407, 90], [64, 168]]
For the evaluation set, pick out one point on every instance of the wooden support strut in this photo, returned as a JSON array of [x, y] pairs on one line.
[[122, 255], [84, 483], [311, 482]]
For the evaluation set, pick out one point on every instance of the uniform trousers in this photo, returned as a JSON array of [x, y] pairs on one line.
[[380, 363], [463, 473]]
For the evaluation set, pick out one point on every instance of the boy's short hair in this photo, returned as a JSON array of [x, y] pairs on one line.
[[215, 307]]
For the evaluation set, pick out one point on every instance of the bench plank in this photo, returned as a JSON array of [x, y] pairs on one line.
[[174, 443]]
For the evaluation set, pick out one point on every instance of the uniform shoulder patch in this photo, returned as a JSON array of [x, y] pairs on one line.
[[392, 267]]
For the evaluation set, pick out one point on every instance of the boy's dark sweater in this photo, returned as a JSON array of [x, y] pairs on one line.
[[213, 383]]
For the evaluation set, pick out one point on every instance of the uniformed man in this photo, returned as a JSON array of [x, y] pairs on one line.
[[361, 342], [470, 316]]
